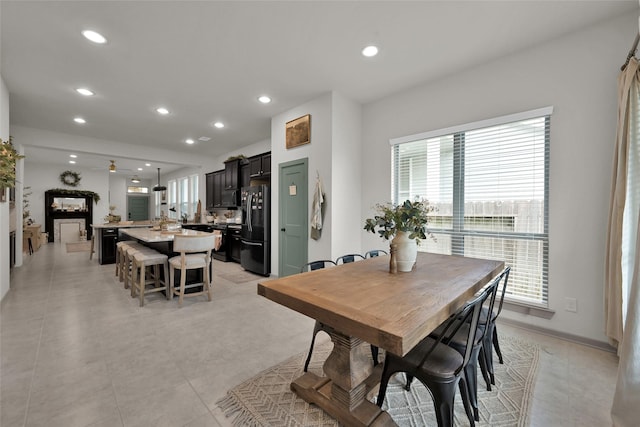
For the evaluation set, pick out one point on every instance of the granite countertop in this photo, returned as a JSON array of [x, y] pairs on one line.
[[135, 224], [154, 236]]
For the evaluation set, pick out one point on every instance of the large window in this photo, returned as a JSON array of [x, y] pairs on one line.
[[183, 197], [489, 181]]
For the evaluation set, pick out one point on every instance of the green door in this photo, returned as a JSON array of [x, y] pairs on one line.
[[293, 217], [137, 208]]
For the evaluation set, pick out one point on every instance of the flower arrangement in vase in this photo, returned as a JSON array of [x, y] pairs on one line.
[[405, 224]]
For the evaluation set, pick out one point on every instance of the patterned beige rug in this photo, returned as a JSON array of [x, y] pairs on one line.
[[240, 276], [266, 400], [78, 246]]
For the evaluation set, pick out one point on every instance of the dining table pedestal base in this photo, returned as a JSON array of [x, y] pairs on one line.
[[350, 379]]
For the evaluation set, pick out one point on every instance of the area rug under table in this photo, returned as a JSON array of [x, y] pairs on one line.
[[266, 399], [84, 246]]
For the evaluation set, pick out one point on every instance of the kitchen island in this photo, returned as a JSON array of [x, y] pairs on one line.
[[108, 234], [162, 241]]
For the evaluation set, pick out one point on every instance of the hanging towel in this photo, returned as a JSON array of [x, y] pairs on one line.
[[217, 239], [317, 210]]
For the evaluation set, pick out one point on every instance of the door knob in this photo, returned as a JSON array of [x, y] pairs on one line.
[[283, 229]]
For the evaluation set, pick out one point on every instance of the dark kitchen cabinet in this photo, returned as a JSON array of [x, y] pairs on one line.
[[232, 174], [209, 191], [234, 240], [107, 249], [245, 175], [260, 165], [215, 186]]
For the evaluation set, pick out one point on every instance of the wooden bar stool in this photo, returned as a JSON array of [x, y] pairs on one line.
[[139, 282], [127, 260], [93, 239], [120, 247]]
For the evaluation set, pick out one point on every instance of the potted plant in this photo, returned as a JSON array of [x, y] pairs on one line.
[[405, 225], [8, 158]]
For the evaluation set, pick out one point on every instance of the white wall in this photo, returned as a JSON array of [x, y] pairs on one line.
[[577, 75], [319, 154], [42, 177], [4, 207], [346, 168], [334, 155]]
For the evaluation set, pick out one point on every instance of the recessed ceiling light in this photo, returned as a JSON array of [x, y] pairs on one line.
[[264, 99], [162, 110], [79, 120], [147, 164], [189, 141], [204, 138], [73, 156], [141, 168], [219, 125], [94, 36], [84, 91], [370, 51], [73, 162]]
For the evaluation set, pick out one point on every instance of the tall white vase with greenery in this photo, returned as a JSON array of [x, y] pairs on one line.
[[406, 251]]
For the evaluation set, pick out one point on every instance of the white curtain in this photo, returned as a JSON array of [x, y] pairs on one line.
[[622, 286]]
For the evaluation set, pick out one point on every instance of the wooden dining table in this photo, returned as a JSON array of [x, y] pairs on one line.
[[362, 303]]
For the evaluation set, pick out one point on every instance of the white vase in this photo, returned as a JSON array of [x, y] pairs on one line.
[[406, 251]]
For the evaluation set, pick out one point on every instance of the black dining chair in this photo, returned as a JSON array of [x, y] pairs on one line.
[[375, 252], [315, 265], [438, 366], [459, 343], [344, 259], [311, 266], [491, 335]]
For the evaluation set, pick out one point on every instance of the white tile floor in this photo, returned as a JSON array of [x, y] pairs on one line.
[[77, 350]]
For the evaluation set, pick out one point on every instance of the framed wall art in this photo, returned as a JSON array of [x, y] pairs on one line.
[[298, 131]]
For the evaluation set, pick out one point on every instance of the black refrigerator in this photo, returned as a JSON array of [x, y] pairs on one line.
[[255, 254]]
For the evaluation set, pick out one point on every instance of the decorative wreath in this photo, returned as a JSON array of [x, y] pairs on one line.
[[70, 178]]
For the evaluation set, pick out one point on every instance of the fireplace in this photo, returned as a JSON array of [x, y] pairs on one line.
[[63, 210]]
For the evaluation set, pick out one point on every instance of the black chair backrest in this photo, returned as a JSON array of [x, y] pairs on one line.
[[375, 252], [348, 258], [504, 276], [490, 291], [316, 265], [469, 312]]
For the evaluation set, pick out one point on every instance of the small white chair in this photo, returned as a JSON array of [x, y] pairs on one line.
[[195, 253]]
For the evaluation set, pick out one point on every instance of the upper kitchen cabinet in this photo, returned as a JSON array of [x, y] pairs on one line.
[[232, 174], [215, 184], [260, 166], [245, 176]]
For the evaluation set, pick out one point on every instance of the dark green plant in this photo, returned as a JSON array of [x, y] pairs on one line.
[[67, 192], [410, 217], [8, 158]]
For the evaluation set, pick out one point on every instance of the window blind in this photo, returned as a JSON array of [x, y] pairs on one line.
[[489, 183]]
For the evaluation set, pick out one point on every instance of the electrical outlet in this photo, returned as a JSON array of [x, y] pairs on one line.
[[571, 304]]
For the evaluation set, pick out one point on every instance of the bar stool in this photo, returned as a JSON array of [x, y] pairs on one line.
[[93, 239], [120, 256], [128, 252], [139, 282], [195, 253]]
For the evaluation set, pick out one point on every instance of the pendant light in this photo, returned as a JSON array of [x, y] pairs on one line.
[[112, 166], [135, 179], [159, 187]]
